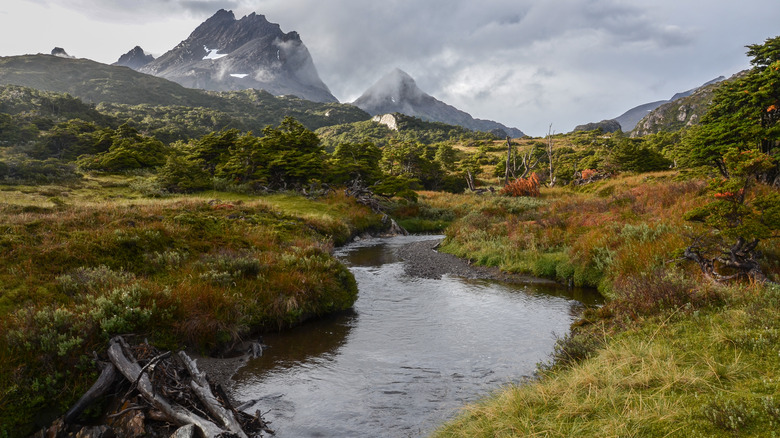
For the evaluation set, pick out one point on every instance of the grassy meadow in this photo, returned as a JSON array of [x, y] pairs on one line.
[[670, 354], [82, 263]]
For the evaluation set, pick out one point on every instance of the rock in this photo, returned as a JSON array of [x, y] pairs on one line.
[[605, 126], [59, 51], [224, 54], [135, 58], [187, 431], [388, 120]]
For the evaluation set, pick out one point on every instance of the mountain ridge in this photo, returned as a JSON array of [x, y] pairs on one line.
[[101, 84], [397, 92], [629, 119], [682, 112]]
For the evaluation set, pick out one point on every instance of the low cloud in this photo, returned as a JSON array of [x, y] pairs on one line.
[[517, 61]]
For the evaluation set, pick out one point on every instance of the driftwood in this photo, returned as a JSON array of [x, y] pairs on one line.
[[165, 388], [100, 388], [176, 414], [363, 195], [200, 386]]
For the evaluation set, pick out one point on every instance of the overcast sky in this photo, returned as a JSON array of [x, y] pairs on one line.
[[524, 63]]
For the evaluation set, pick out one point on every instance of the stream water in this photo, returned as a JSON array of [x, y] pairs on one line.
[[411, 353]]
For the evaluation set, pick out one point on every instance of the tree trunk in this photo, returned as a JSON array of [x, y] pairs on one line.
[[100, 388], [550, 154], [508, 158]]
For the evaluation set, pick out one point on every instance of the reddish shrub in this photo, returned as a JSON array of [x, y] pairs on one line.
[[523, 186], [589, 173]]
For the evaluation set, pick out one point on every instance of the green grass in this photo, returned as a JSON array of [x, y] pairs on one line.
[[711, 372], [200, 270], [670, 354]]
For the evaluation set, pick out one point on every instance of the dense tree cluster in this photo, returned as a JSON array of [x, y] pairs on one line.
[[739, 138]]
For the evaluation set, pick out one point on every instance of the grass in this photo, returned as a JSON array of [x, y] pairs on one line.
[[202, 271], [704, 373], [618, 228], [668, 355]]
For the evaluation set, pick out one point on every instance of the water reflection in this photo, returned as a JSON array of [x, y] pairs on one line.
[[413, 352], [308, 343]]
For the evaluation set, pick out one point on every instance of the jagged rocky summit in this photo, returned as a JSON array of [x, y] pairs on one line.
[[135, 58], [224, 54], [397, 92]]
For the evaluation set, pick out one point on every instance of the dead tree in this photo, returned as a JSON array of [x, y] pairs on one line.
[[363, 195], [170, 388], [550, 142], [528, 164], [470, 180], [739, 260], [509, 170]]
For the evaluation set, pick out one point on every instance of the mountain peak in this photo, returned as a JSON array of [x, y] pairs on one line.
[[224, 54], [221, 15], [395, 87], [135, 58], [397, 92]]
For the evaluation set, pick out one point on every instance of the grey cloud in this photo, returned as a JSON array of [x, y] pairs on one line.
[[123, 11], [524, 60]]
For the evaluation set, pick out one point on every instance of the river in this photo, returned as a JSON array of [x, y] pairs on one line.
[[411, 353]]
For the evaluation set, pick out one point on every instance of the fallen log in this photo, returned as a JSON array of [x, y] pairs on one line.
[[101, 387], [152, 391], [175, 414], [200, 386]]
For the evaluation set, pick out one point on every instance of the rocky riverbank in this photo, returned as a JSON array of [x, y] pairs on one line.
[[422, 259]]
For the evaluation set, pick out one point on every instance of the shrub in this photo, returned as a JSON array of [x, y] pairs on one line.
[[21, 170], [90, 280], [730, 415], [523, 186], [183, 174], [571, 350], [661, 290], [589, 173]]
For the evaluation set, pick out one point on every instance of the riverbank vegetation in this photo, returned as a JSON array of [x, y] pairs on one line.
[[689, 262], [81, 264]]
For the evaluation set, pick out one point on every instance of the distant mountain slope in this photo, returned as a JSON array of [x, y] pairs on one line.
[[96, 82], [604, 125], [225, 54], [630, 118], [382, 130], [397, 92], [124, 90], [678, 113]]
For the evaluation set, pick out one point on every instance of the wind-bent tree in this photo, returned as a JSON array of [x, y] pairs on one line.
[[744, 113], [739, 137]]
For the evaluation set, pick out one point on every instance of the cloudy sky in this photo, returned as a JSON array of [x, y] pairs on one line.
[[524, 63]]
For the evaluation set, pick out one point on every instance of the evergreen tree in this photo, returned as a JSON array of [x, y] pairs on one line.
[[739, 137]]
